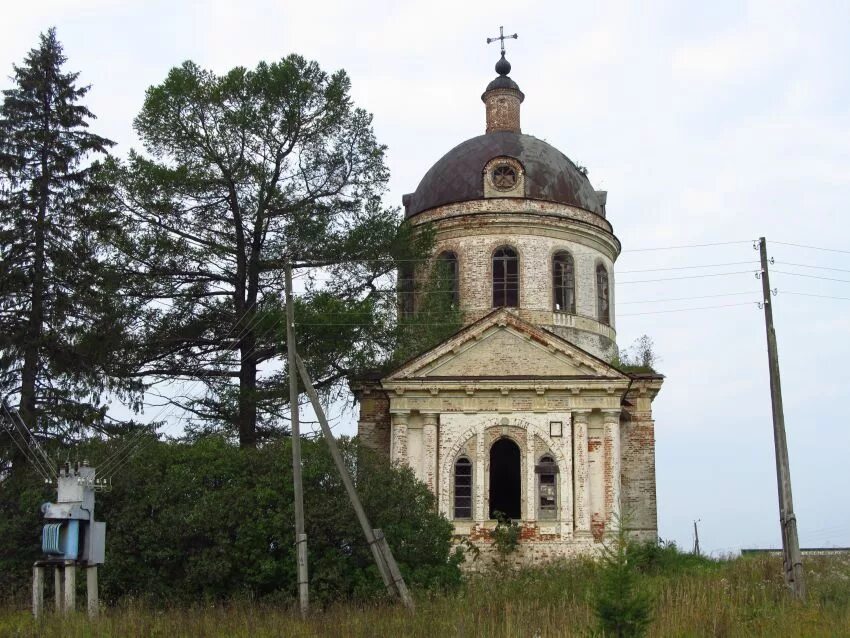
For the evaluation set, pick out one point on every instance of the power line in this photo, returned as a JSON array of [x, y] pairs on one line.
[[718, 274], [808, 294], [787, 263], [117, 458], [829, 250], [718, 243], [731, 263], [797, 274], [726, 294], [657, 312]]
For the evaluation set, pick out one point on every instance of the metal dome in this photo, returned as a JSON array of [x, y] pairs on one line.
[[458, 175]]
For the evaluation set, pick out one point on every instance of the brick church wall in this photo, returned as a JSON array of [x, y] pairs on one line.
[[373, 427]]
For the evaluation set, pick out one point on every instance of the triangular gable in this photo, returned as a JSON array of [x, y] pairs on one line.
[[503, 345]]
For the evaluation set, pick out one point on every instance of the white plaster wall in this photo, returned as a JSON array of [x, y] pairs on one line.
[[459, 431]]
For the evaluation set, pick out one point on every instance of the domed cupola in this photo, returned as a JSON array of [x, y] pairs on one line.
[[521, 226], [472, 170], [502, 100]]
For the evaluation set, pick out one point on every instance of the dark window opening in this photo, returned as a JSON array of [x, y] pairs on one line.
[[504, 178], [547, 487], [564, 282], [505, 479], [505, 278], [463, 488], [448, 275], [603, 306]]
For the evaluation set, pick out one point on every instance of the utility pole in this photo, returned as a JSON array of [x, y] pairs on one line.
[[696, 538], [788, 522], [381, 552], [300, 535]]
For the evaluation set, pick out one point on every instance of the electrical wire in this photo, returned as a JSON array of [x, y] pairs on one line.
[[657, 312], [718, 274], [118, 457], [718, 243], [141, 443], [829, 250], [809, 294], [787, 263], [725, 294], [798, 274], [731, 263]]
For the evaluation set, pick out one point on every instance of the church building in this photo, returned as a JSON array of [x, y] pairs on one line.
[[521, 412]]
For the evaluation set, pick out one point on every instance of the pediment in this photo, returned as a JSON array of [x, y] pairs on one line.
[[501, 345]]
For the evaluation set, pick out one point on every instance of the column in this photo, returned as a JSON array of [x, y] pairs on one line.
[[70, 588], [430, 446], [92, 604], [38, 591], [58, 588], [481, 513], [530, 482], [581, 473], [399, 437], [565, 481], [611, 449]]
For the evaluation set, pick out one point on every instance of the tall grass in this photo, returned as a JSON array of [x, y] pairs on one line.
[[692, 597]]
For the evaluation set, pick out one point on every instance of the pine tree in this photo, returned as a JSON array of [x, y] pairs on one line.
[[56, 316], [244, 172]]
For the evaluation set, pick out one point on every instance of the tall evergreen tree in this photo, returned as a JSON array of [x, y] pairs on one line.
[[244, 172], [56, 314]]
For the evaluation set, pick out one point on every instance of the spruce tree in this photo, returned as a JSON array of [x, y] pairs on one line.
[[56, 314]]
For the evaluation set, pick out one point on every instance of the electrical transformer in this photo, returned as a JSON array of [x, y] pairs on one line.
[[70, 532]]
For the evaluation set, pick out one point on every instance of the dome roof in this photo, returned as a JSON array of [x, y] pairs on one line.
[[549, 174]]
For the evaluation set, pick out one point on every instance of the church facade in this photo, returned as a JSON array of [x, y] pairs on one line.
[[521, 414]]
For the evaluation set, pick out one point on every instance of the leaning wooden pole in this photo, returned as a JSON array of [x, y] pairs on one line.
[[377, 543], [788, 521], [300, 535]]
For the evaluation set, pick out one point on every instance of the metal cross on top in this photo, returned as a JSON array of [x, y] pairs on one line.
[[502, 37]]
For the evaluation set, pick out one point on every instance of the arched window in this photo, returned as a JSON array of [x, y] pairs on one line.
[[505, 278], [463, 488], [603, 295], [564, 282], [447, 274], [547, 488]]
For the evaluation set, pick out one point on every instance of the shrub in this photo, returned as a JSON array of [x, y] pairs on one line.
[[211, 521]]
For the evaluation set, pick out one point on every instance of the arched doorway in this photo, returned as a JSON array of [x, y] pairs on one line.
[[505, 479]]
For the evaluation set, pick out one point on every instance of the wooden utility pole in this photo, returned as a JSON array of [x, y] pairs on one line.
[[300, 535], [788, 522], [381, 552]]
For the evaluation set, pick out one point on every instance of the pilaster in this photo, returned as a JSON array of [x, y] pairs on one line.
[[429, 445], [581, 472], [611, 450], [531, 478], [398, 453]]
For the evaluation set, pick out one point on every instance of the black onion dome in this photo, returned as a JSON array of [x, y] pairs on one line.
[[458, 175], [503, 67]]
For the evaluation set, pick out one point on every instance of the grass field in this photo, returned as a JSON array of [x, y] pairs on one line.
[[740, 597]]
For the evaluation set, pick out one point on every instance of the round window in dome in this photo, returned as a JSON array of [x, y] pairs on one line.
[[504, 178]]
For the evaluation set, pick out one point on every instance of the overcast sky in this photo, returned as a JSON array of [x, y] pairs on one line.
[[705, 121]]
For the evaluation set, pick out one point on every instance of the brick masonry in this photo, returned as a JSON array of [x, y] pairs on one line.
[[440, 408], [532, 374], [536, 232]]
